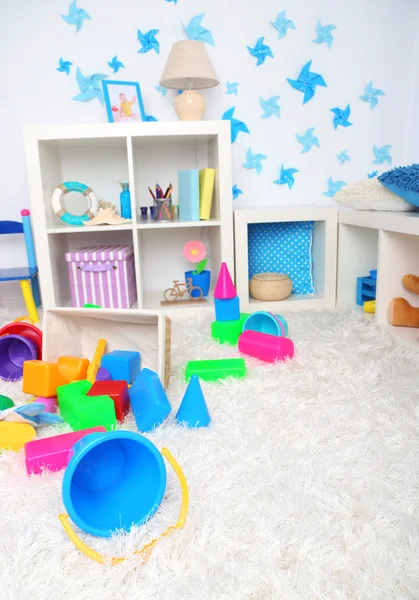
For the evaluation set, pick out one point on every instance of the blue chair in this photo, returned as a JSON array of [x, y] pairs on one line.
[[27, 276]]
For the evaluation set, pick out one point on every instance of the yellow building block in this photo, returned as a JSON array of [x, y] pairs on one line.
[[41, 378], [95, 364], [73, 368], [13, 436]]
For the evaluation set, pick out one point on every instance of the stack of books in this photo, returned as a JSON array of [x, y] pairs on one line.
[[195, 189]]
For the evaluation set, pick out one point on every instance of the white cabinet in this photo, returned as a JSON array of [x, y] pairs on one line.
[[99, 156]]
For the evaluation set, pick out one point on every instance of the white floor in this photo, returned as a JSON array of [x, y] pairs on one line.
[[305, 486]]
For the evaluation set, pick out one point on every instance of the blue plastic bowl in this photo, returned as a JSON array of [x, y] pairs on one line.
[[114, 481], [266, 322]]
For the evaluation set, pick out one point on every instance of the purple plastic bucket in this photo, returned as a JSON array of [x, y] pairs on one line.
[[14, 350]]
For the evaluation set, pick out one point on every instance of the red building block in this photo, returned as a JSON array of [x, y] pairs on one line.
[[118, 391]]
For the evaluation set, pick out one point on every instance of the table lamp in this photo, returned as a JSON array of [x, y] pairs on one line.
[[189, 68]]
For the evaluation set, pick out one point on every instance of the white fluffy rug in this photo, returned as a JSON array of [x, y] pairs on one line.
[[305, 486]]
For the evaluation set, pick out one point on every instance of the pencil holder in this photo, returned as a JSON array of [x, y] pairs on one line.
[[163, 212]]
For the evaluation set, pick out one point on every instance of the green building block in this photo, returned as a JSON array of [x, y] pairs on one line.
[[211, 370], [81, 411], [87, 305], [228, 332], [5, 402]]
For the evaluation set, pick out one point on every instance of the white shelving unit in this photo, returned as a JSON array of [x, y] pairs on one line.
[[388, 242], [99, 156], [324, 251]]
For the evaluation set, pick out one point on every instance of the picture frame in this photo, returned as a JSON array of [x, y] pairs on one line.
[[124, 103]]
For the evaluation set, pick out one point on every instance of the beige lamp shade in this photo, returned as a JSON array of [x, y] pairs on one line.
[[189, 67]]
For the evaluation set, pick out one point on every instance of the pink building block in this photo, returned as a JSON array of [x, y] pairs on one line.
[[51, 404], [267, 347], [53, 453], [224, 290]]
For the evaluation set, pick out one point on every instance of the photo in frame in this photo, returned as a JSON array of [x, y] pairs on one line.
[[124, 103]]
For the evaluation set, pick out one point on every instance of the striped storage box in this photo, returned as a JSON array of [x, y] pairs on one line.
[[103, 275]]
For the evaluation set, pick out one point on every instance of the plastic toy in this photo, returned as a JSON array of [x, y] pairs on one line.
[[5, 402], [212, 370], [228, 332], [27, 276], [270, 348], [51, 404], [41, 378], [58, 206], [33, 414], [81, 411], [369, 307], [266, 322], [72, 368], [103, 375], [193, 410], [122, 365], [224, 289], [96, 498], [53, 453], [366, 288], [27, 330], [227, 310], [13, 436], [14, 351], [148, 401], [118, 391], [94, 366], [196, 253], [87, 305]]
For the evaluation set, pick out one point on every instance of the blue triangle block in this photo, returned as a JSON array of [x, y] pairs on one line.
[[193, 410], [148, 400]]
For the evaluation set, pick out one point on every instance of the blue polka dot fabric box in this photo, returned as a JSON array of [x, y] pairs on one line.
[[283, 248]]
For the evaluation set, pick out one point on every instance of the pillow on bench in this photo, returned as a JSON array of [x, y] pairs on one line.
[[371, 195]]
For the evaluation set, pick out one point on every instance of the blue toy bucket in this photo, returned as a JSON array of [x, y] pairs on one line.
[[114, 481], [266, 322]]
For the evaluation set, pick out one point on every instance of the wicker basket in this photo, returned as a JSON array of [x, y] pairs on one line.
[[270, 286]]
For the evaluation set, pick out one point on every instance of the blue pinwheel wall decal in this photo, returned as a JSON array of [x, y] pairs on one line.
[[115, 64], [236, 192], [282, 24], [260, 51], [382, 154], [307, 82], [324, 34], [195, 31], [333, 187], [76, 16], [270, 107], [64, 66], [343, 157], [308, 140], [236, 125], [254, 161], [231, 88], [341, 117], [286, 177], [90, 87], [371, 95], [148, 41]]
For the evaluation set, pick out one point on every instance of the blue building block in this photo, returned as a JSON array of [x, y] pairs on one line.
[[227, 310], [123, 365], [193, 410], [366, 288], [149, 402]]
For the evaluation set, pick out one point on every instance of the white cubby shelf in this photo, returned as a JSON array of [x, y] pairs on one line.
[[143, 153], [324, 248], [388, 242]]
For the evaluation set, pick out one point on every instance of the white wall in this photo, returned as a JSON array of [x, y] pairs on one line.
[[374, 40]]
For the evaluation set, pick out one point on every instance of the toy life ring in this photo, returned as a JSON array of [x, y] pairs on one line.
[[58, 204]]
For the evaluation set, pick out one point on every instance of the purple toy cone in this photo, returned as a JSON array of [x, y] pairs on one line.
[[193, 410]]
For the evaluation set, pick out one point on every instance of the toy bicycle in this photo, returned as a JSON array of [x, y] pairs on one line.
[[180, 289]]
